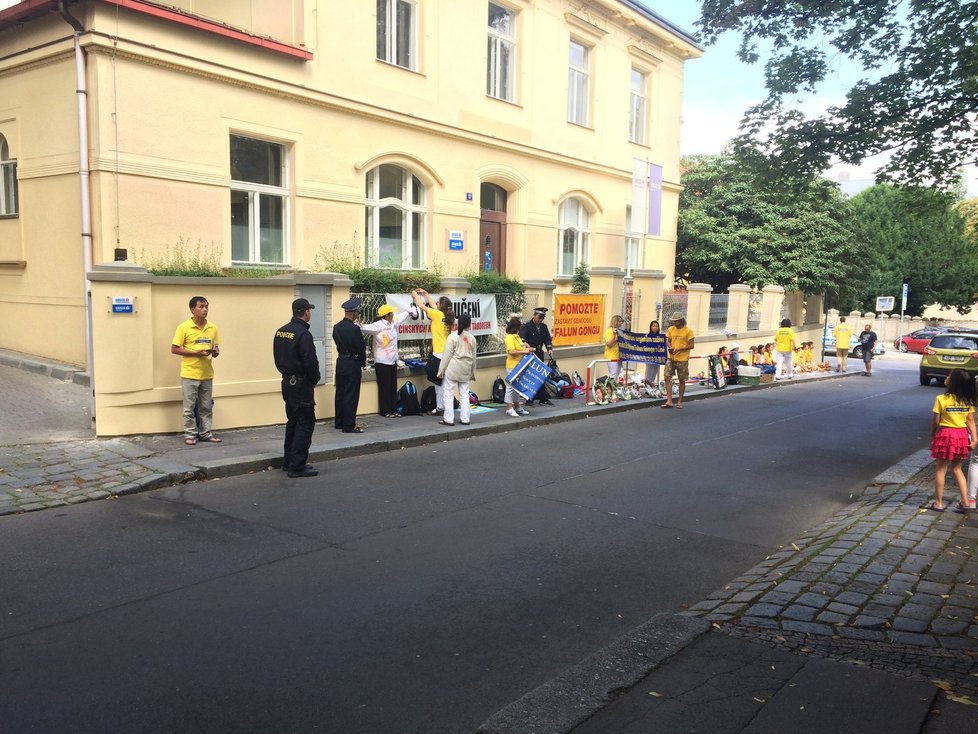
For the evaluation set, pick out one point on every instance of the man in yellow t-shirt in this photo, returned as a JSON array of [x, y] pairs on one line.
[[784, 346], [611, 347], [197, 343], [679, 340], [843, 336]]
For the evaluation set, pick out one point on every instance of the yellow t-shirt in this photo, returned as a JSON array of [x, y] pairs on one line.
[[784, 339], [953, 413], [677, 339], [843, 336], [610, 352], [439, 331], [513, 342], [807, 354], [190, 336]]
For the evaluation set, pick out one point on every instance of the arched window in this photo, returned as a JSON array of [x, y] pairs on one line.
[[396, 211], [8, 181], [575, 235]]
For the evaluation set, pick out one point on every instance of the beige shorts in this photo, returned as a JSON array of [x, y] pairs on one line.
[[679, 369]]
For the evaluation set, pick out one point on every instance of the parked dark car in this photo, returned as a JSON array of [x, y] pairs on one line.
[[916, 341]]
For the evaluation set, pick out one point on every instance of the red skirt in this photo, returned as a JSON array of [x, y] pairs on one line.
[[950, 444]]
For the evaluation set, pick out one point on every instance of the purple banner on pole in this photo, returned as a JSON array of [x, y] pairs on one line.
[[655, 199]]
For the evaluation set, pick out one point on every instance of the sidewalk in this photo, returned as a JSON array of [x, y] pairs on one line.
[[40, 409], [869, 623]]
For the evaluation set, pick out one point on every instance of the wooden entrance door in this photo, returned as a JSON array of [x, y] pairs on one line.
[[492, 239]]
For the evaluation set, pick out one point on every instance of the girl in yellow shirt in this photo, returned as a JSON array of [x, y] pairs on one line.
[[953, 435]]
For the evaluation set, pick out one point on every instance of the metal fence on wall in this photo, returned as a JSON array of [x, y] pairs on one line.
[[719, 304], [754, 311], [507, 304], [671, 303]]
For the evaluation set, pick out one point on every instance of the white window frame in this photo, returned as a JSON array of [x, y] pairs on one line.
[[406, 205], [255, 193], [393, 42], [9, 204], [638, 107], [500, 78], [578, 85], [633, 244], [574, 222]]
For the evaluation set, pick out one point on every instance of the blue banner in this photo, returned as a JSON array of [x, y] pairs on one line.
[[634, 347], [528, 376]]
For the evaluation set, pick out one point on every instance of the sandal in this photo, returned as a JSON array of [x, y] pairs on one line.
[[933, 507], [211, 439], [393, 415], [190, 441], [445, 423], [464, 423]]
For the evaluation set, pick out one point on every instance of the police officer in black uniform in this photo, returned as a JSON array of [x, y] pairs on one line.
[[535, 333], [351, 358], [295, 358]]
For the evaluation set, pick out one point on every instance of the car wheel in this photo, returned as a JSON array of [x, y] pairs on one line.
[[858, 352], [924, 378], [903, 347]]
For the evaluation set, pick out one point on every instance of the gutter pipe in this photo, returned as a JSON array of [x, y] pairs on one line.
[[85, 189]]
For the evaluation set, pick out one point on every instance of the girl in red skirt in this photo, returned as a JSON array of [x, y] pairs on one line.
[[953, 435]]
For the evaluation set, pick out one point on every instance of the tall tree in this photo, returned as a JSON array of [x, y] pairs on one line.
[[917, 101], [915, 236], [733, 229]]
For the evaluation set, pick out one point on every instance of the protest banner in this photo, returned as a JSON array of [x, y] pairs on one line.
[[578, 319], [646, 348], [528, 376], [481, 307]]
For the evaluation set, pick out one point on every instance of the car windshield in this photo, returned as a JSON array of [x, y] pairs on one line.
[[955, 341]]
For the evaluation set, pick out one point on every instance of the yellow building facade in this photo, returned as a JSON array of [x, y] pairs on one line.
[[417, 134]]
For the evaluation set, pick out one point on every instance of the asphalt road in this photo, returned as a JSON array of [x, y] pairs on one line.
[[422, 590]]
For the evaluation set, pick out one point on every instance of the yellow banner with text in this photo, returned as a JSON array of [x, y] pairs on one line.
[[578, 319]]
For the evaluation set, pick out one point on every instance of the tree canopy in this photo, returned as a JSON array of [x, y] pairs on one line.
[[733, 229], [917, 101], [914, 236]]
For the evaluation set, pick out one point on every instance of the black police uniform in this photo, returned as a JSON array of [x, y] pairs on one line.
[[351, 358], [538, 337], [295, 358]]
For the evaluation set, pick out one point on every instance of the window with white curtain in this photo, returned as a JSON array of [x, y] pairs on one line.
[[573, 237], [578, 83], [395, 218], [637, 111], [8, 181], [259, 201], [501, 71], [397, 32]]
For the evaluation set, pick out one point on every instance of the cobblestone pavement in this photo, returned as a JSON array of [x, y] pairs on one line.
[[39, 408], [35, 476], [884, 583]]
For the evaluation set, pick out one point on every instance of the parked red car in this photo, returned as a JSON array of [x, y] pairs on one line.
[[917, 341]]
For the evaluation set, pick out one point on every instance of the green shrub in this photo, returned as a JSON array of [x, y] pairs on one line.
[[345, 258], [183, 259], [492, 282], [582, 281]]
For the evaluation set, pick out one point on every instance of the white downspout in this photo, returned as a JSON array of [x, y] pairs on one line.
[[81, 91]]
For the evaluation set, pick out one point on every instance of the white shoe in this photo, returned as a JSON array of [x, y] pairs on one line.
[[523, 411], [512, 413]]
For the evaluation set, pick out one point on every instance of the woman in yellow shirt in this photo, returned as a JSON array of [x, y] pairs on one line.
[[442, 319], [953, 435], [516, 349]]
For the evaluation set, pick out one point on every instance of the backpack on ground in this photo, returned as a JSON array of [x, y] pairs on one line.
[[552, 391], [499, 390], [407, 400], [428, 400]]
